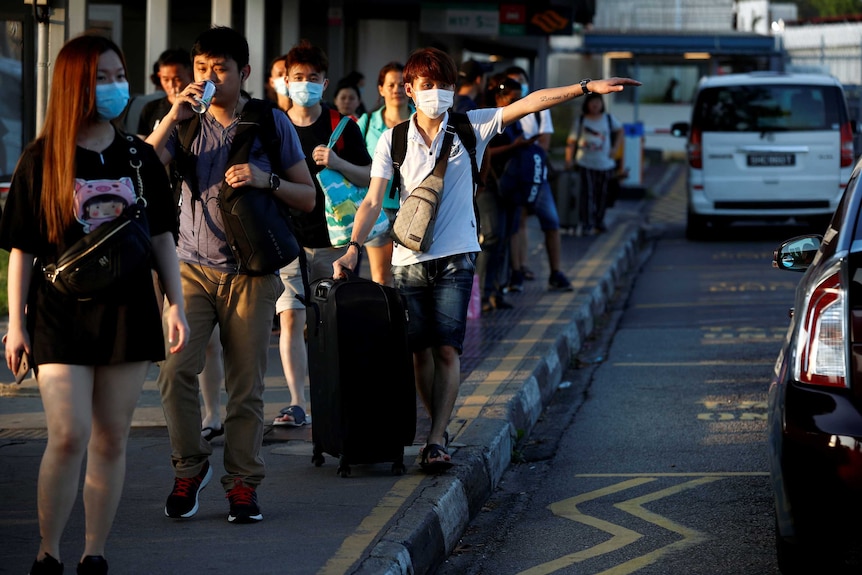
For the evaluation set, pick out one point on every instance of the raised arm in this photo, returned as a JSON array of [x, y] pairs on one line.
[[550, 97]]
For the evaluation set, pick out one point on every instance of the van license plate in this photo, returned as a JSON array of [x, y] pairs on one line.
[[768, 160]]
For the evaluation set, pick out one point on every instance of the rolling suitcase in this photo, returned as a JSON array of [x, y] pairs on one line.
[[360, 372]]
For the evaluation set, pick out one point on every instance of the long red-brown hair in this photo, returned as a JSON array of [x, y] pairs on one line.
[[71, 105]]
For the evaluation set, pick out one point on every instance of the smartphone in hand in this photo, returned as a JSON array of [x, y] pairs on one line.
[[23, 368]]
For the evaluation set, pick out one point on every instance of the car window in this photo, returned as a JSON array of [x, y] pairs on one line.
[[769, 108]]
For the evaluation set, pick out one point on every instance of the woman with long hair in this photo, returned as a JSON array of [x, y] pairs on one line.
[[90, 356], [396, 108]]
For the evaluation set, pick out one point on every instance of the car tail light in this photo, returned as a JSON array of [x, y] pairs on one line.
[[821, 351], [695, 149], [846, 145]]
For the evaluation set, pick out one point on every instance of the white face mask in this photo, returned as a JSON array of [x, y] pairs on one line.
[[434, 102], [280, 86]]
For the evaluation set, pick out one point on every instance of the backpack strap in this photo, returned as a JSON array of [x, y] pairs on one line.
[[184, 164], [465, 132], [334, 120], [399, 152]]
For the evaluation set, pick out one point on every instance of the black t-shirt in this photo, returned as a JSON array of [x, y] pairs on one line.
[[311, 227], [21, 225], [119, 327], [151, 113]]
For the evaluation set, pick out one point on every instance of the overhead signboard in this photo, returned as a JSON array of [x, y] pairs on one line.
[[535, 19], [467, 19], [511, 19]]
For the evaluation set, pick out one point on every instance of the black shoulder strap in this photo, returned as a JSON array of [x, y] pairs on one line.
[[184, 164], [255, 121], [398, 152], [465, 132]]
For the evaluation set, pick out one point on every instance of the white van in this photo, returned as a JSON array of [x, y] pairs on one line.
[[766, 146]]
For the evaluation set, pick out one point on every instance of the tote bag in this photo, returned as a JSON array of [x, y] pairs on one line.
[[342, 198]]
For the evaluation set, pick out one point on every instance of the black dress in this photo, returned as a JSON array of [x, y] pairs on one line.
[[123, 326]]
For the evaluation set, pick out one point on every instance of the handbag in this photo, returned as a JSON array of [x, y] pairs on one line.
[[414, 224], [342, 198], [110, 253]]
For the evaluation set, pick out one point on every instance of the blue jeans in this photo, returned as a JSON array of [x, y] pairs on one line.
[[437, 293]]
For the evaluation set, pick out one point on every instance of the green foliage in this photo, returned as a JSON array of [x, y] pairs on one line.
[[837, 7], [828, 8]]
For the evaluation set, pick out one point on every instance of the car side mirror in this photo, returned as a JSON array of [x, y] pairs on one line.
[[679, 129], [797, 254]]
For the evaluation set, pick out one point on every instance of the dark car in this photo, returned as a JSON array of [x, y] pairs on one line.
[[815, 398]]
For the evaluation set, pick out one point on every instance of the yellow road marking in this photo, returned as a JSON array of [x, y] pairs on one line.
[[370, 527], [568, 509], [690, 537], [622, 536], [709, 474], [719, 362], [471, 406]]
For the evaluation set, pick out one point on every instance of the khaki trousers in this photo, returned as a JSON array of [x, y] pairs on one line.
[[243, 307]]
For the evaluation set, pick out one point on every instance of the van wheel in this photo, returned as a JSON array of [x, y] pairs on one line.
[[696, 227]]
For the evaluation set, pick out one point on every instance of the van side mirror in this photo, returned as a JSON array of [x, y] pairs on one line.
[[679, 129]]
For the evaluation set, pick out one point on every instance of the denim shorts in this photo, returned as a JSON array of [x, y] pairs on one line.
[[545, 209], [319, 262], [383, 238], [437, 293]]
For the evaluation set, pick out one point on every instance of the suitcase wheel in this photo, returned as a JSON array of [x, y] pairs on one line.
[[398, 468], [317, 457], [343, 468]]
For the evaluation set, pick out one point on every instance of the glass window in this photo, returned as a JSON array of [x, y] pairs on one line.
[[762, 108], [12, 102]]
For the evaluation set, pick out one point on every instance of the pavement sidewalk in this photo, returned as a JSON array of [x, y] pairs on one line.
[[314, 521]]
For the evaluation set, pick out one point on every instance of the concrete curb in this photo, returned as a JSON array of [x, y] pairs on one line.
[[428, 529]]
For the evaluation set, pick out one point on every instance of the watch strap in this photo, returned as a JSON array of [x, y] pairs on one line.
[[584, 88]]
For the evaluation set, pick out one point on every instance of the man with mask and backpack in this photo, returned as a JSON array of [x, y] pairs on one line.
[[436, 282], [217, 287]]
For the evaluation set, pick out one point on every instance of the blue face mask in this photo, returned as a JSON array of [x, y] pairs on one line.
[[525, 89], [305, 94], [111, 100]]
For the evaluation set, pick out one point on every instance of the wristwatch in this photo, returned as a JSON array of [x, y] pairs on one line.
[[274, 182], [584, 88]]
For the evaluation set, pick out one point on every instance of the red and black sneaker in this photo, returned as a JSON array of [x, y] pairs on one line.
[[243, 504], [183, 500]]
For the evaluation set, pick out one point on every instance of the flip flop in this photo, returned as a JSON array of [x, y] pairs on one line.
[[297, 415], [210, 433], [437, 453]]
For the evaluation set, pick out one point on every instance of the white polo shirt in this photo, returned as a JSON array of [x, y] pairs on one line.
[[455, 231], [533, 128]]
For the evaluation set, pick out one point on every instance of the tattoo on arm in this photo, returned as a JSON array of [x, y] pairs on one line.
[[565, 96]]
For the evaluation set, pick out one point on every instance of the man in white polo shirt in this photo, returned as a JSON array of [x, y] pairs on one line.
[[436, 283]]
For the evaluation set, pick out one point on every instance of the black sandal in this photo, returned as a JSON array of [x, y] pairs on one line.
[[435, 452]]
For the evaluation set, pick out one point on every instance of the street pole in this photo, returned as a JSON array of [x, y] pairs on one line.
[[42, 14]]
